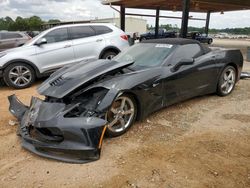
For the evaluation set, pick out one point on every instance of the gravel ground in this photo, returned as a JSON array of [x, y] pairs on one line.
[[203, 142]]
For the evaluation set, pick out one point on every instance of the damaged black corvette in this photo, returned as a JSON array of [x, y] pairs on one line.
[[85, 101]]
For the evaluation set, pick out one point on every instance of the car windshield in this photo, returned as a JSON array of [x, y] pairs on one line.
[[145, 54]]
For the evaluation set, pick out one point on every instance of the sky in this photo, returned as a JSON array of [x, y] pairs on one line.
[[72, 10]]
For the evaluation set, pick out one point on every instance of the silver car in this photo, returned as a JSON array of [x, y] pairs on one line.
[[59, 46], [12, 39]]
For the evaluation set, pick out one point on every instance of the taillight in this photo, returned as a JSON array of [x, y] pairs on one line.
[[124, 37]]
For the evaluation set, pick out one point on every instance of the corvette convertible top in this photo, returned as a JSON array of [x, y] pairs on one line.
[[176, 41]]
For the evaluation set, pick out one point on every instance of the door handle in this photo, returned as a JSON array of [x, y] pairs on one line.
[[99, 40], [155, 84], [67, 46]]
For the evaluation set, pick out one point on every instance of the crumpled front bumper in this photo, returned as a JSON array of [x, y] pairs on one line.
[[45, 131]]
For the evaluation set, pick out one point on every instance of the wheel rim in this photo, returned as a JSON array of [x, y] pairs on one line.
[[110, 57], [121, 114], [20, 75], [228, 81]]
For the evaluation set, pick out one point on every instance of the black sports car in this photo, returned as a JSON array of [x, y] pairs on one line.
[[84, 101]]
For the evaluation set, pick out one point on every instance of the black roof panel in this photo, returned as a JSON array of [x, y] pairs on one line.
[[175, 41]]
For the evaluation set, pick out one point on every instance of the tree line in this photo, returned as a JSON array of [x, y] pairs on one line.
[[237, 31], [32, 23]]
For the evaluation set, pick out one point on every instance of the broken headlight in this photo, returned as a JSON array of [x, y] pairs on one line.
[[87, 102], [34, 110]]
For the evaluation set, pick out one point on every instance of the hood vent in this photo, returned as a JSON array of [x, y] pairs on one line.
[[57, 82], [78, 76]]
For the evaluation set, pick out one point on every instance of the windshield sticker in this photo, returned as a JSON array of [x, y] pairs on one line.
[[163, 46]]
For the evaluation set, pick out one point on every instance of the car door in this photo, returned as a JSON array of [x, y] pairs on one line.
[[86, 44], [191, 80], [57, 52]]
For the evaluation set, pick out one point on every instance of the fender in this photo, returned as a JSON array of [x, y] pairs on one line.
[[38, 74], [109, 48], [112, 94]]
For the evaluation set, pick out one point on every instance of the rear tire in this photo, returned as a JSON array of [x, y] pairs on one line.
[[227, 81], [109, 55], [19, 75]]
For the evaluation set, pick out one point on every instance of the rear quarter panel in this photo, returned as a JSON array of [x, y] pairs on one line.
[[226, 57], [114, 39]]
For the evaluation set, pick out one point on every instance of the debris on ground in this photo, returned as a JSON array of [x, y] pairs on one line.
[[12, 123], [245, 75]]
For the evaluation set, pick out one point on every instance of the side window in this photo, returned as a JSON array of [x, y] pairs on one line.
[[101, 29], [11, 35], [16, 35], [186, 52], [57, 35], [81, 32], [5, 36]]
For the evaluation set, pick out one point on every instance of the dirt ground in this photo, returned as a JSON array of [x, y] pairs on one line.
[[203, 142]]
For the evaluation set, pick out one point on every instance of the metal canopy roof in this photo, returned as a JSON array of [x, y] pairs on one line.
[[176, 5]]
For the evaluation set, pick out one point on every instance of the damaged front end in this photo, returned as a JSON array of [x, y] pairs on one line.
[[69, 124], [54, 129]]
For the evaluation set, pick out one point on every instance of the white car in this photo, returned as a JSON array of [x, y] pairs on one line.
[[59, 46]]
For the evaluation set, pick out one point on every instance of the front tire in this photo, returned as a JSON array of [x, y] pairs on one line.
[[19, 75], [210, 41], [227, 81], [109, 55], [121, 115]]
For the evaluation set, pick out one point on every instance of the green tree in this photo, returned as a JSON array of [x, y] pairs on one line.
[[8, 19], [54, 21], [35, 23], [21, 24], [5, 23]]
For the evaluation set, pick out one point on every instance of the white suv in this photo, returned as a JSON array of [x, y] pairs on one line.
[[59, 46]]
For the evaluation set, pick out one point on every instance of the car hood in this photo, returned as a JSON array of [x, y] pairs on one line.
[[17, 49], [69, 78]]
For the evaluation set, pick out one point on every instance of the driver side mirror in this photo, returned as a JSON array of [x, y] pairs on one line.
[[41, 41], [181, 63]]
